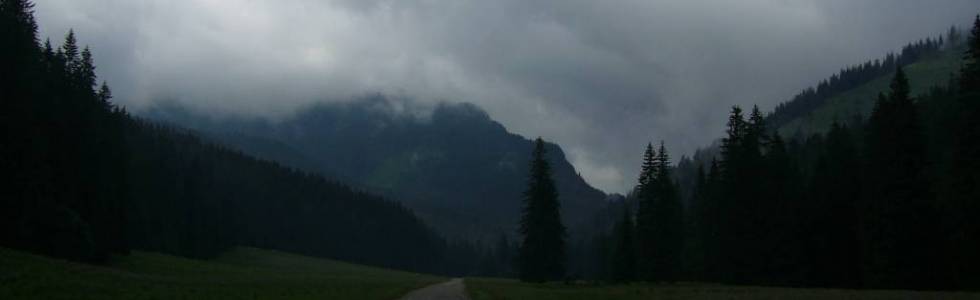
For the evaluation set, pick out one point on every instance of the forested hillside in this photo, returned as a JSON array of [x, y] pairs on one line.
[[883, 202], [848, 95], [460, 170], [87, 181]]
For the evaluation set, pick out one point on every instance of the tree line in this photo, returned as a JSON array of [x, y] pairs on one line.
[[86, 180]]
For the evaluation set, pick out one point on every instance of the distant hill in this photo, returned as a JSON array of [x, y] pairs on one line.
[[461, 171]]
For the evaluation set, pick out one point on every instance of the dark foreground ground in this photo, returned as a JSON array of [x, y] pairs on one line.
[[248, 273], [483, 289], [243, 273]]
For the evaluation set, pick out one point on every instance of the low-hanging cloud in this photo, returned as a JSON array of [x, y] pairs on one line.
[[601, 78]]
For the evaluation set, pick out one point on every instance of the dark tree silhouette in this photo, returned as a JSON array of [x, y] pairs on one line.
[[645, 222], [542, 254], [668, 222], [898, 206]]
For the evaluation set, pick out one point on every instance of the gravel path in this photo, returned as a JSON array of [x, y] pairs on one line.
[[449, 290]]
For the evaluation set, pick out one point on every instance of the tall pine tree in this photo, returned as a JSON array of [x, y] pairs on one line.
[[542, 253], [645, 215], [898, 224], [668, 222]]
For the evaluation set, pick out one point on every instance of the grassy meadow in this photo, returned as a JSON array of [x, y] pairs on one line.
[[244, 273], [503, 289]]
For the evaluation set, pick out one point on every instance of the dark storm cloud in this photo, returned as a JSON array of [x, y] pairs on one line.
[[599, 77]]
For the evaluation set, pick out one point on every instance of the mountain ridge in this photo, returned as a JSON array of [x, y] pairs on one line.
[[451, 163]]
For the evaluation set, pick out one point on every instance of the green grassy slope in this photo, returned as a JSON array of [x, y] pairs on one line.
[[243, 273], [929, 72], [499, 289]]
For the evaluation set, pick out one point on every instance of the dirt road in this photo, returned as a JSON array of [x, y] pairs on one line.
[[449, 290]]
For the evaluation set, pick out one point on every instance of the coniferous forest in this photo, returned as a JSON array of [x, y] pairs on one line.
[[87, 180], [884, 202], [890, 200]]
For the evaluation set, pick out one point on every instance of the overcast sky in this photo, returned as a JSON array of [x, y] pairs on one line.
[[601, 78]]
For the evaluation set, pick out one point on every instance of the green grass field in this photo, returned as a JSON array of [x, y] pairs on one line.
[[923, 75], [244, 273], [501, 289]]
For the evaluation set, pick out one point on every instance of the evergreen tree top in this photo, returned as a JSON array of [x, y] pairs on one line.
[[757, 126], [538, 161], [736, 125], [649, 168], [105, 96], [970, 74], [86, 69], [737, 132], [900, 87], [70, 48], [756, 116], [22, 11], [540, 179], [663, 164]]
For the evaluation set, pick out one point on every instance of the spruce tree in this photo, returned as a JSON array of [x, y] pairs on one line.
[[727, 213], [757, 126], [70, 53], [736, 130], [105, 96], [86, 71], [645, 215], [542, 253], [648, 171], [668, 223], [899, 223], [738, 235]]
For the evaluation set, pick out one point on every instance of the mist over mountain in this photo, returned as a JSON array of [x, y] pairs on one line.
[[463, 172], [601, 79]]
